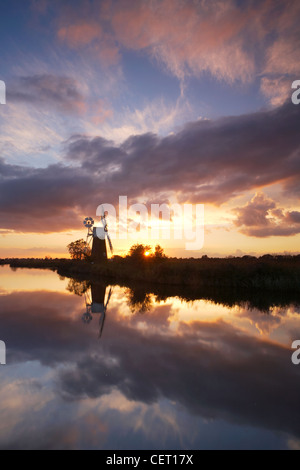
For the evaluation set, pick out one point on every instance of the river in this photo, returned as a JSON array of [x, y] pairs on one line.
[[94, 366]]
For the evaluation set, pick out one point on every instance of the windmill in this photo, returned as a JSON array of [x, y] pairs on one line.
[[98, 235], [95, 303]]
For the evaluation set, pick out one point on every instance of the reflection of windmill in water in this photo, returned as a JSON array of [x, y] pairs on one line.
[[98, 235], [96, 303]]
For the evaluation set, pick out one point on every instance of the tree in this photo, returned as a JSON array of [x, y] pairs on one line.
[[79, 249], [159, 252], [138, 251]]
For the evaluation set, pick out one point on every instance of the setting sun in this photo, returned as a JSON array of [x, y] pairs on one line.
[[147, 253]]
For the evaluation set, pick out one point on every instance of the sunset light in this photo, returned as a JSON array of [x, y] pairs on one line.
[[150, 227]]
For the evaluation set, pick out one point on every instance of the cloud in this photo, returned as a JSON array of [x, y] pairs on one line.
[[276, 90], [86, 29], [79, 34], [53, 198], [48, 91], [27, 133], [205, 162], [100, 112], [282, 55], [155, 116], [262, 218], [40, 114], [232, 41]]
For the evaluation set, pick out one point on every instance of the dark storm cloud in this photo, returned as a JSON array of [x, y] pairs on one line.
[[12, 171], [51, 91], [206, 161], [95, 154]]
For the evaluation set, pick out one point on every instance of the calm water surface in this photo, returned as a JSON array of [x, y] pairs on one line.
[[95, 367]]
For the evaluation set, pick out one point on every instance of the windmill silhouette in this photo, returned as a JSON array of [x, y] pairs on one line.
[[96, 304], [98, 237]]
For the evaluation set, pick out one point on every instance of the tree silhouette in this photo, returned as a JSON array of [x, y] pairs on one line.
[[79, 249], [159, 252], [137, 251], [78, 287]]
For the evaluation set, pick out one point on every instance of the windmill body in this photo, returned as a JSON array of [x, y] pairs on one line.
[[99, 251], [98, 236]]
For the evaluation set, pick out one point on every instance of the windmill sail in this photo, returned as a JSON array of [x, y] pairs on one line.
[[105, 228], [98, 235], [110, 243]]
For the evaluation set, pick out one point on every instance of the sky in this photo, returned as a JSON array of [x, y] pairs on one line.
[[161, 101]]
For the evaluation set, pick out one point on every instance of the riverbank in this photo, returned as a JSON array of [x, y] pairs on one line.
[[266, 272]]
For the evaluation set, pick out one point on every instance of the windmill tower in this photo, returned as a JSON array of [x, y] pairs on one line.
[[98, 237], [96, 304]]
